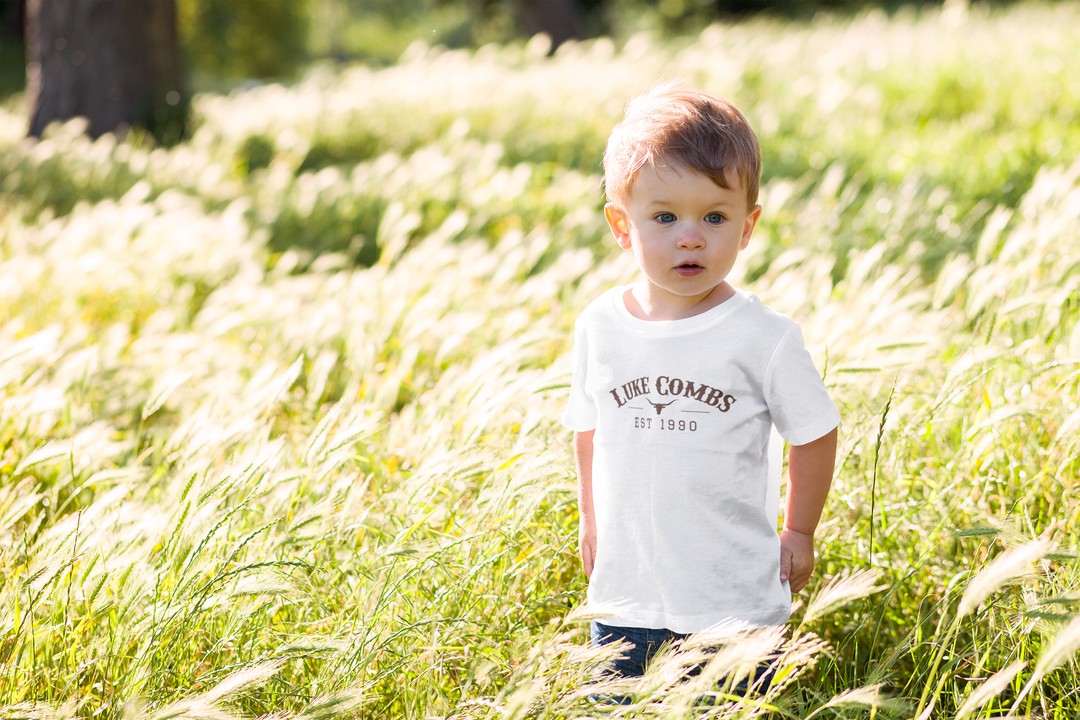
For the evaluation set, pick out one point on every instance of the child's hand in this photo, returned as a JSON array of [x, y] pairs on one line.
[[796, 558], [587, 548]]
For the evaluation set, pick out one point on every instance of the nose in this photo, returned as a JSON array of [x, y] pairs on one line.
[[691, 238]]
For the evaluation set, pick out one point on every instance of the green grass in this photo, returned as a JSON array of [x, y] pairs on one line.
[[279, 411]]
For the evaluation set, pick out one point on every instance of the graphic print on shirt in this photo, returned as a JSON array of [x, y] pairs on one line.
[[685, 398], [659, 407]]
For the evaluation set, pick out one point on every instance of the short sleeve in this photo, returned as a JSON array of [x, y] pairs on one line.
[[580, 414], [798, 401]]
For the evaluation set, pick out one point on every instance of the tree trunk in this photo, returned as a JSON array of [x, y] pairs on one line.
[[116, 62], [557, 18], [13, 18]]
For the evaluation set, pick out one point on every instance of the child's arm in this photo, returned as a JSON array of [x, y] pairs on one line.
[[810, 470], [583, 454]]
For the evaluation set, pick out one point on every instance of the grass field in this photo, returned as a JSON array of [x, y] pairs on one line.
[[279, 405]]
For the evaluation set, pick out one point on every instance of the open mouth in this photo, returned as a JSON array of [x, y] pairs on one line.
[[688, 269]]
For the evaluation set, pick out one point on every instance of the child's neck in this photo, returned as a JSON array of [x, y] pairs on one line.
[[647, 302]]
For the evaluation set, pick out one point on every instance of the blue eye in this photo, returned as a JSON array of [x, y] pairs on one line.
[[665, 217], [714, 218]]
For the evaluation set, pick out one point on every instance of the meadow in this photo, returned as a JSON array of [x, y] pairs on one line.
[[279, 414]]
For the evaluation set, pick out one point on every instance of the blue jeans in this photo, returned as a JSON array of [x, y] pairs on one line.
[[646, 642]]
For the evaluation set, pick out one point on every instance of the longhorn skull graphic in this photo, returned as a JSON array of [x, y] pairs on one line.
[[658, 406]]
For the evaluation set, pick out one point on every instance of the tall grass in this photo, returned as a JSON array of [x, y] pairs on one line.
[[241, 474]]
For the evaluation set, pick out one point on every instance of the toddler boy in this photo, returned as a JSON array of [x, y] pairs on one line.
[[677, 382]]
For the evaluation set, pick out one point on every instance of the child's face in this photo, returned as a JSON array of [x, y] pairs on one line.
[[685, 231]]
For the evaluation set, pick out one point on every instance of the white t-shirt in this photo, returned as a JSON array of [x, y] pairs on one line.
[[683, 411]]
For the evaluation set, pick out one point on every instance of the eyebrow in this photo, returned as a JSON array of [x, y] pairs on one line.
[[664, 202]]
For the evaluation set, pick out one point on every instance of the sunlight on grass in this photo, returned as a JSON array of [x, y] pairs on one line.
[[279, 415]]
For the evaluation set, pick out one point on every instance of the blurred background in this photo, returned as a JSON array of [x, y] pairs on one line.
[[229, 39], [886, 94], [218, 45]]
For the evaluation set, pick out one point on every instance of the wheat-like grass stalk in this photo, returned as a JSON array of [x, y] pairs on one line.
[[1009, 564], [990, 688], [871, 696], [841, 590]]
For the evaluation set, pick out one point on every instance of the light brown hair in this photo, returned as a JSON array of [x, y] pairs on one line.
[[668, 125]]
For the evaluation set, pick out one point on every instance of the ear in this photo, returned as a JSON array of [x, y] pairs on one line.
[[616, 220], [749, 224]]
